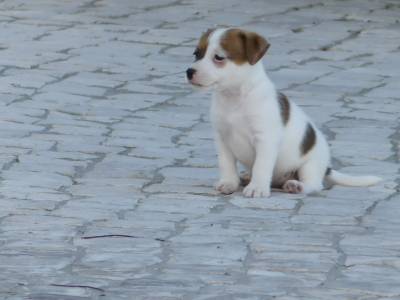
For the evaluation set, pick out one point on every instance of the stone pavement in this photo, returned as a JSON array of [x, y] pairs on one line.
[[108, 161]]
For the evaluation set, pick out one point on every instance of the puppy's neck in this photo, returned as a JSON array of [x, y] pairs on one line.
[[240, 86]]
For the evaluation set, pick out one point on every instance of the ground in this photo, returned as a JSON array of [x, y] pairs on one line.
[[108, 162]]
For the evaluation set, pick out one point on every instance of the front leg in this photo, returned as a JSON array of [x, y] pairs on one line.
[[266, 155], [229, 178]]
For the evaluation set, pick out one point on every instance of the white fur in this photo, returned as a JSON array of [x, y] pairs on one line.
[[347, 180], [246, 116]]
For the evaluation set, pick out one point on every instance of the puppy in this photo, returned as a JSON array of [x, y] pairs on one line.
[[258, 126]]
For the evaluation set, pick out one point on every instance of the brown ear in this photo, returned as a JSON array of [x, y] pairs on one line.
[[255, 46], [243, 46]]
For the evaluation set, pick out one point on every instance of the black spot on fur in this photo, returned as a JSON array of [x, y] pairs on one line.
[[284, 107], [308, 140], [328, 171]]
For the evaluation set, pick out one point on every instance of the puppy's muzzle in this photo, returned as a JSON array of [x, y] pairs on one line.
[[190, 72]]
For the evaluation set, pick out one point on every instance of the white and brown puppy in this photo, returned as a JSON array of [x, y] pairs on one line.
[[258, 126]]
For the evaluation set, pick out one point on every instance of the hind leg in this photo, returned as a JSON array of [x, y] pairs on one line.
[[311, 176]]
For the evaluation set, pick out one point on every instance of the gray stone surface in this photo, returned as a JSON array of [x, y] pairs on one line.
[[108, 161]]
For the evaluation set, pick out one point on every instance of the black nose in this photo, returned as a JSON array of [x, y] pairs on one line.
[[190, 72]]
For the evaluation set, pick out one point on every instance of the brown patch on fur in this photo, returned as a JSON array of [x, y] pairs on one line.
[[201, 48], [244, 46], [245, 179], [284, 106], [308, 140]]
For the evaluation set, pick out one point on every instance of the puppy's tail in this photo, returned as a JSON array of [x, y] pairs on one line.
[[335, 177]]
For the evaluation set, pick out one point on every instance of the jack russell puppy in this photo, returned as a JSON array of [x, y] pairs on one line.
[[257, 125]]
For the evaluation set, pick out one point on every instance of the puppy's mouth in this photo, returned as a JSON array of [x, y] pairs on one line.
[[196, 84], [199, 85]]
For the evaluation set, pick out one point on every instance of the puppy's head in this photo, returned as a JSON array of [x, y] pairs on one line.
[[225, 56]]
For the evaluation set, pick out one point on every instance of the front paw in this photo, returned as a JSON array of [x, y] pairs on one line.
[[255, 190], [227, 187]]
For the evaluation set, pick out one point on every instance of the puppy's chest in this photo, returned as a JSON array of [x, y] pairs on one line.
[[232, 125], [235, 132]]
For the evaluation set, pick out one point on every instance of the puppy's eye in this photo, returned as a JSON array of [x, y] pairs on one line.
[[218, 58], [196, 54]]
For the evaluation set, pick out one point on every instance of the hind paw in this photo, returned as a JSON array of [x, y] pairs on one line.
[[293, 187]]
